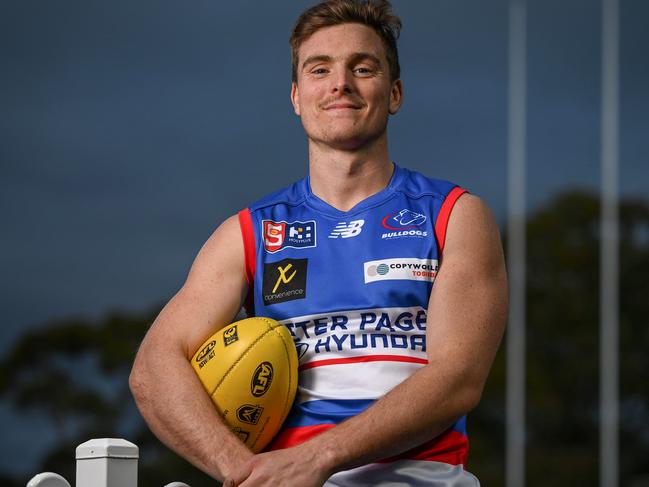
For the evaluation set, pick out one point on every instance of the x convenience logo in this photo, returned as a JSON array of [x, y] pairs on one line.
[[284, 281], [283, 278]]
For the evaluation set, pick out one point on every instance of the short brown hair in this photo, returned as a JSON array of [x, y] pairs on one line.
[[376, 14]]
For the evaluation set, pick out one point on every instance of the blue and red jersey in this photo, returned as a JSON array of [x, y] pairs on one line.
[[352, 287]]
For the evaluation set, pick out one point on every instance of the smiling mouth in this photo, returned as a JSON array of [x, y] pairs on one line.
[[342, 106]]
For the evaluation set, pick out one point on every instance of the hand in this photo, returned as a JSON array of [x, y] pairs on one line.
[[295, 466]]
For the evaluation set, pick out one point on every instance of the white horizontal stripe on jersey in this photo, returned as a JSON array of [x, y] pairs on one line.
[[366, 380]]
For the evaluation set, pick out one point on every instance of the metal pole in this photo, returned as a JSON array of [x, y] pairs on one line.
[[609, 252], [515, 427]]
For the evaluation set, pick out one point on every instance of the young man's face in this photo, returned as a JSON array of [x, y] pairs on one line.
[[343, 92]]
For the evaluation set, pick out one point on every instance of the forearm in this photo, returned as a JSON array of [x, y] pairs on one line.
[[180, 413], [417, 410]]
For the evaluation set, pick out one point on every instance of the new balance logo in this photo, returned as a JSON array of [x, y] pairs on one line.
[[347, 230]]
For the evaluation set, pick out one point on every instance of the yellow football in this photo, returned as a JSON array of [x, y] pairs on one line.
[[249, 369]]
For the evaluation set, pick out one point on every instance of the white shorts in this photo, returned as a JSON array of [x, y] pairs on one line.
[[405, 473]]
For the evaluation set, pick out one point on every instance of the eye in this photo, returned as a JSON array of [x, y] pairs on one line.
[[363, 71], [319, 71]]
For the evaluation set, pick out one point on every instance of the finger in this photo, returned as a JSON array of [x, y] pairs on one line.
[[236, 478], [249, 483]]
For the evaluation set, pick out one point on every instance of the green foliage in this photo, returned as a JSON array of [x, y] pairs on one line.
[[563, 350], [75, 371]]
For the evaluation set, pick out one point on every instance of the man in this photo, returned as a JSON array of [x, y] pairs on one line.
[[346, 259]]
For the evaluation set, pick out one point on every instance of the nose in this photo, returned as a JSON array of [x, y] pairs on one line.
[[342, 82]]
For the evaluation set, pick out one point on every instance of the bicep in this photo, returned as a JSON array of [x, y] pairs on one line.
[[211, 296], [468, 303]]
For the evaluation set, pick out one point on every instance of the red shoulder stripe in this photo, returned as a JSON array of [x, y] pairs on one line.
[[248, 234], [444, 214]]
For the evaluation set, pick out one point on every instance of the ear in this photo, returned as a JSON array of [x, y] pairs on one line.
[[396, 97], [295, 98]]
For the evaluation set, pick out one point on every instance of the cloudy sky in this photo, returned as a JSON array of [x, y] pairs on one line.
[[130, 130]]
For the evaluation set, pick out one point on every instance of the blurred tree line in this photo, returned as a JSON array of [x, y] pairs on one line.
[[75, 371]]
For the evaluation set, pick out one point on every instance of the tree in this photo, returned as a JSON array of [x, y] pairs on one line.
[[76, 372], [563, 349]]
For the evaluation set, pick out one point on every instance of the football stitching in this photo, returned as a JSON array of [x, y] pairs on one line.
[[246, 352], [271, 328], [291, 377]]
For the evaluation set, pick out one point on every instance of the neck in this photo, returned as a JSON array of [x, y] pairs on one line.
[[345, 178]]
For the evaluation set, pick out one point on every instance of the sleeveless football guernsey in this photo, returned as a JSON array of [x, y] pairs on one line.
[[352, 288]]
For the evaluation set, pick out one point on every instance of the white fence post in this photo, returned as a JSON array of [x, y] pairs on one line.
[[102, 462], [48, 479], [107, 462]]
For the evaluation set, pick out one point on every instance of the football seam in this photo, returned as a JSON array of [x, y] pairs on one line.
[[291, 378], [246, 352]]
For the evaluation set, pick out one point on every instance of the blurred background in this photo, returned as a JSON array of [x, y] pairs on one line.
[[130, 130]]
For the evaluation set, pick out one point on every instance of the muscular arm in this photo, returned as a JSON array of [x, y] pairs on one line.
[[463, 333], [166, 389]]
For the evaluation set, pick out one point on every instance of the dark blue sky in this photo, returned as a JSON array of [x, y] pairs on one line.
[[130, 130]]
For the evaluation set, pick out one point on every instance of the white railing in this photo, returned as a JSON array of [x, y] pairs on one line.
[[102, 462]]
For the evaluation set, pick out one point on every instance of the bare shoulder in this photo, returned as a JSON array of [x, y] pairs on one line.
[[211, 296], [223, 249], [473, 233]]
